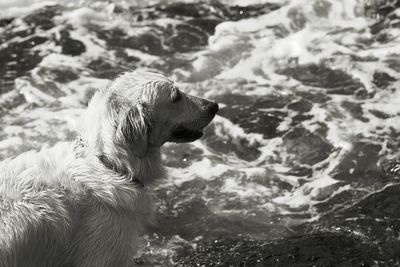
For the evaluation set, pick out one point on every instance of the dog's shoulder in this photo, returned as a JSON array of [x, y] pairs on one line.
[[37, 167], [58, 176], [61, 167]]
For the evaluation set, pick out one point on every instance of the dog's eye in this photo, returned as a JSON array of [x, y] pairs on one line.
[[176, 96]]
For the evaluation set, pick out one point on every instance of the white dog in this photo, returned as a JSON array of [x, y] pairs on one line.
[[84, 203]]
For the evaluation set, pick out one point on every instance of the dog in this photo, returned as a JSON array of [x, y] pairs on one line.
[[85, 203]]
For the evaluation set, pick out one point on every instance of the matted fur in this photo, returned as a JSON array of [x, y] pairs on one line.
[[85, 203]]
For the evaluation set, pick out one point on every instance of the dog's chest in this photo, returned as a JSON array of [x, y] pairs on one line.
[[104, 227]]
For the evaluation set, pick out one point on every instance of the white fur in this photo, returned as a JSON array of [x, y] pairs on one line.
[[79, 203]]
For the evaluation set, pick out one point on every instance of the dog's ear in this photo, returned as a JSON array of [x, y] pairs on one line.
[[135, 129]]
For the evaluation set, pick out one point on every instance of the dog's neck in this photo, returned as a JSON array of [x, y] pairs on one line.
[[141, 171], [109, 165], [147, 168]]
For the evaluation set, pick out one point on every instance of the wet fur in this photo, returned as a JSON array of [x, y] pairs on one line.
[[60, 209], [75, 204]]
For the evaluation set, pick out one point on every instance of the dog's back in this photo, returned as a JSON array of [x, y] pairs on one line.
[[34, 217], [57, 209]]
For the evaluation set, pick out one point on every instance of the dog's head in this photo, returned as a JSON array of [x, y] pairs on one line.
[[147, 109]]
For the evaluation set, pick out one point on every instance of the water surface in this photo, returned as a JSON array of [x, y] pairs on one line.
[[289, 172]]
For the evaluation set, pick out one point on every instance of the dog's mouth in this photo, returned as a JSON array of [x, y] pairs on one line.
[[182, 134]]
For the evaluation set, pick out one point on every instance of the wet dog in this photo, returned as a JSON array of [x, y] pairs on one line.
[[84, 203]]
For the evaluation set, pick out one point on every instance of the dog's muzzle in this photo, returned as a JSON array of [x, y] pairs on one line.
[[183, 134]]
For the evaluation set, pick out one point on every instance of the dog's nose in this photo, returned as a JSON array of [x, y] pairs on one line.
[[213, 107]]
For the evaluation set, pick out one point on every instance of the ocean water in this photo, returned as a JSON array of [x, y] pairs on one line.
[[300, 166]]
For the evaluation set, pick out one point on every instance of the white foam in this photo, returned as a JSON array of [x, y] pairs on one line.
[[15, 8], [247, 190], [270, 53], [204, 169], [224, 127], [32, 94], [304, 195], [10, 142], [55, 60], [85, 16], [245, 3]]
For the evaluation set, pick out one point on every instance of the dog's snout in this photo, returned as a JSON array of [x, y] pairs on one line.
[[213, 107]]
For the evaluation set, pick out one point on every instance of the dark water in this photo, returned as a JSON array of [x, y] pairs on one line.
[[298, 169]]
